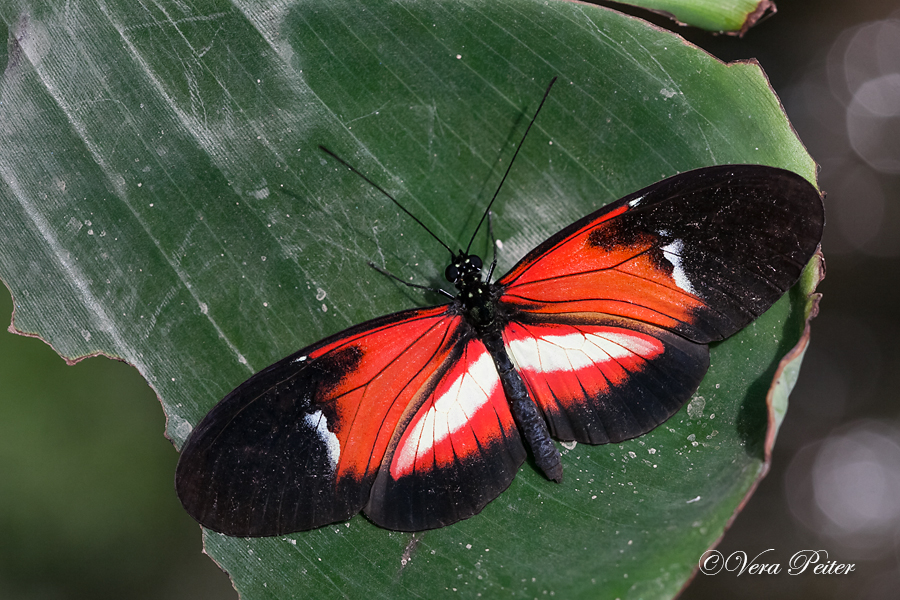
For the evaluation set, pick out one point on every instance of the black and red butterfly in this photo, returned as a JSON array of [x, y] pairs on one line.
[[597, 335]]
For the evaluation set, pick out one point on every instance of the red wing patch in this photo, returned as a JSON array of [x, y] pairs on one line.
[[458, 452], [700, 254], [605, 383], [617, 277], [299, 444], [370, 399]]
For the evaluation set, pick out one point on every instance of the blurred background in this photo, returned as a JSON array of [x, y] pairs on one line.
[[88, 506]]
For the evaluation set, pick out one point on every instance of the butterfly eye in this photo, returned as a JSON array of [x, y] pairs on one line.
[[452, 273], [476, 261]]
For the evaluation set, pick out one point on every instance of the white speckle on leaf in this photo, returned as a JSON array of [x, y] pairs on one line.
[[695, 407], [180, 428]]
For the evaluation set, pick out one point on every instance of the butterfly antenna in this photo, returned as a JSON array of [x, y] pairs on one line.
[[519, 147], [380, 189]]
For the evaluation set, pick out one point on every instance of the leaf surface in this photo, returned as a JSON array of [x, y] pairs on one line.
[[163, 200]]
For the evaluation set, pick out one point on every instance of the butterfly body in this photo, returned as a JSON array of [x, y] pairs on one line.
[[597, 335], [478, 300]]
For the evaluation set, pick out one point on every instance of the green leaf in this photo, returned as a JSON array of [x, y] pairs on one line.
[[163, 200], [729, 16]]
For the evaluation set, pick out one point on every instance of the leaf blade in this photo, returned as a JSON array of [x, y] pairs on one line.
[[221, 257]]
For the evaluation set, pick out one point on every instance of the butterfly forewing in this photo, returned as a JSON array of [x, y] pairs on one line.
[[299, 444], [701, 254]]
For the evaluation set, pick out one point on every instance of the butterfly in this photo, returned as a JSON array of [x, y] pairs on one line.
[[598, 335]]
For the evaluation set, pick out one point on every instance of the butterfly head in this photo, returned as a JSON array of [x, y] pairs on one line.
[[463, 269]]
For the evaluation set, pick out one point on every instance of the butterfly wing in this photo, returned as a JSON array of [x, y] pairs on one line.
[[459, 450], [608, 320], [301, 443], [605, 380], [701, 254]]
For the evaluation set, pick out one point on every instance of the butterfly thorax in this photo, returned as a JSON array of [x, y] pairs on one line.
[[475, 294]]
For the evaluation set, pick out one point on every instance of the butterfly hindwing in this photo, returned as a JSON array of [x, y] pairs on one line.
[[701, 254], [458, 451], [605, 382], [299, 444]]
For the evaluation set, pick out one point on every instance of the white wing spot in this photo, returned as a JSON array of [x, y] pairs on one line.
[[636, 201], [672, 253], [319, 423]]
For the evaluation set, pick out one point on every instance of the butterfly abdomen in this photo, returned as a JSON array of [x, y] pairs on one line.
[[524, 410], [482, 312]]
